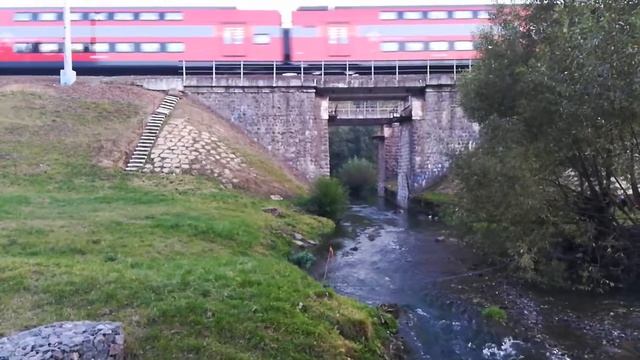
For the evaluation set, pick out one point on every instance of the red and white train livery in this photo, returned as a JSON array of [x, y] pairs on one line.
[[157, 36]]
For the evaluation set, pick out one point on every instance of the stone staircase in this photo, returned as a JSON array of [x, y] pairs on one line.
[[150, 133]]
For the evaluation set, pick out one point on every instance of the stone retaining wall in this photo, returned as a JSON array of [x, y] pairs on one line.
[[283, 120], [183, 149]]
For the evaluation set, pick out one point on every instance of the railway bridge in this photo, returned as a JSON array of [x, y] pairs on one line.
[[420, 122]]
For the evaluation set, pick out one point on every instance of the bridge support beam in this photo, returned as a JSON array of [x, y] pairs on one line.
[[381, 166], [404, 166]]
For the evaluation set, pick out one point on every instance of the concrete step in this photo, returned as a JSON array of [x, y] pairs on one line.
[[140, 153], [160, 118], [139, 157], [143, 148], [137, 161], [172, 97], [163, 111], [155, 121]]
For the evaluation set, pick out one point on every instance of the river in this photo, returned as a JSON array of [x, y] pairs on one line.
[[383, 256]]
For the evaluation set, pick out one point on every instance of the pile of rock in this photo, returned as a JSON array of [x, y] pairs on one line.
[[66, 341]]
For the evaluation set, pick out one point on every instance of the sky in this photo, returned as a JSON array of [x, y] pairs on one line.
[[284, 6]]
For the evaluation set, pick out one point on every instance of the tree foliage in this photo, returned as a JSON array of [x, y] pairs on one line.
[[328, 198], [553, 187], [347, 142], [359, 176]]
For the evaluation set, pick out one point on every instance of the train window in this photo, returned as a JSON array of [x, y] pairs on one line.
[[412, 15], [388, 15], [77, 47], [482, 14], [149, 16], [463, 14], [150, 47], [99, 16], [261, 38], [23, 17], [439, 45], [388, 46], [338, 35], [233, 35], [463, 45], [49, 48], [77, 16], [438, 15], [48, 16], [22, 48], [100, 47], [124, 16], [174, 47], [414, 46], [125, 47], [173, 16]]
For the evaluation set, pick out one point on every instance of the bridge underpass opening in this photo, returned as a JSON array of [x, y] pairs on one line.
[[357, 129]]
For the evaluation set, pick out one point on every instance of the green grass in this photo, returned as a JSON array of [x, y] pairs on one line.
[[192, 271], [438, 198], [494, 313]]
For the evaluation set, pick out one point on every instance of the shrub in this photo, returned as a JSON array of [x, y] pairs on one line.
[[495, 313], [328, 199], [303, 259], [359, 176]]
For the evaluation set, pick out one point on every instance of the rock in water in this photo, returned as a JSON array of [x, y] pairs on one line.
[[66, 340]]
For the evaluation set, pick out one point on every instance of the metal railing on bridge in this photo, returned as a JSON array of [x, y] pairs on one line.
[[315, 73], [368, 113]]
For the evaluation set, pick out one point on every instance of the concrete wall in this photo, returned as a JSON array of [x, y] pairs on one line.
[[286, 121], [438, 136]]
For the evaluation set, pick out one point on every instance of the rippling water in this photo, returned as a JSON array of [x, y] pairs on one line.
[[389, 257]]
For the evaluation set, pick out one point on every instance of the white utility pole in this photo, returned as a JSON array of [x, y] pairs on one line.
[[67, 75]]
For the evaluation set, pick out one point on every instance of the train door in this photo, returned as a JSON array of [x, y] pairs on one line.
[[234, 40], [338, 39]]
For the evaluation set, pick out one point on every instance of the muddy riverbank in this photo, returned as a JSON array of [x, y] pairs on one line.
[[386, 257]]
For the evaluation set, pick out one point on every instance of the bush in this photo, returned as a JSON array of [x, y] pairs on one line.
[[495, 313], [328, 199], [359, 176], [303, 259]]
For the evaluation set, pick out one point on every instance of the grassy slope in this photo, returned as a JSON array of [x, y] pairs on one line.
[[192, 271]]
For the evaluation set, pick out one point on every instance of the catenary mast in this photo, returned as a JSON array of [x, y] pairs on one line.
[[67, 75]]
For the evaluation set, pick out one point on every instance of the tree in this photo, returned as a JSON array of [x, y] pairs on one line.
[[553, 186]]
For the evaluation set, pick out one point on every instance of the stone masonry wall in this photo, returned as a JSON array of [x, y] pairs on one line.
[[444, 131], [404, 164], [284, 120], [391, 142]]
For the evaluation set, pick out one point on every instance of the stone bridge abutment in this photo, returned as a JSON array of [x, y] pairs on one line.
[[291, 118]]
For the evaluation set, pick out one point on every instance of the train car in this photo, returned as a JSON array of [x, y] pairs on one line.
[[135, 37], [442, 33]]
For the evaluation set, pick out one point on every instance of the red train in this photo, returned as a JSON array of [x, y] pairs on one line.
[[137, 37], [387, 33]]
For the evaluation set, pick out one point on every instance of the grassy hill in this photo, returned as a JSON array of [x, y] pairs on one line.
[[192, 270]]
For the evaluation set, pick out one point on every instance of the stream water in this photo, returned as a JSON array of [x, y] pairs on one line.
[[386, 257]]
